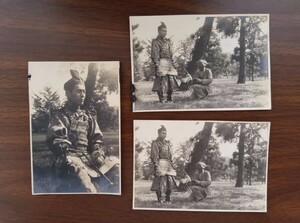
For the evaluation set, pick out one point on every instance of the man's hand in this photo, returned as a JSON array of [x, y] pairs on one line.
[[156, 69], [98, 158], [156, 173], [195, 182], [197, 81], [61, 145]]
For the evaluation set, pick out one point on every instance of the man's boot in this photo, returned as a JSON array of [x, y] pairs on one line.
[[161, 97], [159, 198], [168, 196], [169, 97]]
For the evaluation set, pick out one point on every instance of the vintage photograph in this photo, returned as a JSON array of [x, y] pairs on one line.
[[200, 165], [75, 127], [200, 62]]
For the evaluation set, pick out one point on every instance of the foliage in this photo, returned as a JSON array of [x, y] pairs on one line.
[[255, 148], [143, 163], [218, 61], [254, 49], [138, 48], [107, 116], [42, 103]]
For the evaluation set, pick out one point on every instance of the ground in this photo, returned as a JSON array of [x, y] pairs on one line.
[[41, 158], [226, 93], [224, 197]]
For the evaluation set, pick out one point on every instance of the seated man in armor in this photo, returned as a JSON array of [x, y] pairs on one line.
[[74, 138]]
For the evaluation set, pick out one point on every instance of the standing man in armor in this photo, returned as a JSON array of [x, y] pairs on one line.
[[74, 138], [164, 172], [162, 57]]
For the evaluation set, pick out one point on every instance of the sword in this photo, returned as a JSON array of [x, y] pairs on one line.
[[93, 165]]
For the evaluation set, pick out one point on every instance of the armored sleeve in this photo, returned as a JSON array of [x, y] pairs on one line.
[[171, 50], [95, 135], [208, 77], [170, 151], [57, 132], [154, 153], [155, 51]]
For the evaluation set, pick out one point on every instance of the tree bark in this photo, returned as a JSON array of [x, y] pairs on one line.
[[199, 148], [241, 147], [242, 76], [90, 84], [200, 45], [250, 177]]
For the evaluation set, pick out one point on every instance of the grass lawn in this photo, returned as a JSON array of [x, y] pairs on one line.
[[41, 158], [226, 94], [224, 197]]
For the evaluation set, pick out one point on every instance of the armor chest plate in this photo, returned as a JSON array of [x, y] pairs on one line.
[[164, 49], [78, 132], [164, 152]]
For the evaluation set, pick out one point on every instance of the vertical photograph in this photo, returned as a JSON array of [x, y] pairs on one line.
[[75, 127], [200, 62], [217, 166]]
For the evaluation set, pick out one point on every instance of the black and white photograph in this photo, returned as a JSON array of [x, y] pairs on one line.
[[75, 127], [194, 165], [200, 62]]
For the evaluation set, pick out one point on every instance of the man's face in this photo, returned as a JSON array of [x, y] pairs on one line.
[[200, 66], [76, 96], [199, 168], [162, 134], [162, 32]]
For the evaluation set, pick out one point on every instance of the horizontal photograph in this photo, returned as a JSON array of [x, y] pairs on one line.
[[75, 127], [219, 166], [200, 62]]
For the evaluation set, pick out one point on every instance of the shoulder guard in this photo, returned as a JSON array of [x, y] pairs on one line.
[[55, 111], [91, 112]]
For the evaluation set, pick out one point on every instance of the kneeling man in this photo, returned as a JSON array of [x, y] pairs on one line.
[[200, 183], [201, 81]]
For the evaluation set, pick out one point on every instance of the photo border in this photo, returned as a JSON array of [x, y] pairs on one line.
[[119, 128], [201, 210], [268, 107]]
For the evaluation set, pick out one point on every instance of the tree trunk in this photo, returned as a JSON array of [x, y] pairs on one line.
[[90, 84], [199, 148], [252, 65], [241, 147], [242, 76], [200, 45], [250, 174]]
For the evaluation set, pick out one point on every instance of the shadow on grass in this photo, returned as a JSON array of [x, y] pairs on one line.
[[224, 197], [226, 94]]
